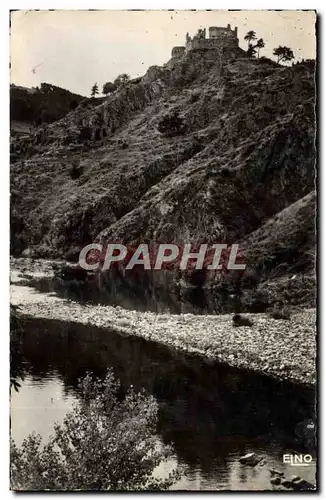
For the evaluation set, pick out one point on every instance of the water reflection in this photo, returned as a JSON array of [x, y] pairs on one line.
[[209, 413], [137, 294], [41, 401]]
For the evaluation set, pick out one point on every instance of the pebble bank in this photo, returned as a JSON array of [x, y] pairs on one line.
[[281, 349]]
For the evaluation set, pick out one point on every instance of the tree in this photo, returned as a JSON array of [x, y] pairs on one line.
[[260, 45], [94, 90], [109, 88], [107, 442], [122, 80], [251, 50], [283, 54], [250, 37]]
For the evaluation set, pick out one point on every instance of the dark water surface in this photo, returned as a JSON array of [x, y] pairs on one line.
[[209, 413], [139, 293]]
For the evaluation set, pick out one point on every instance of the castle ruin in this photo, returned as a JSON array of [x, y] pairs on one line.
[[218, 39]]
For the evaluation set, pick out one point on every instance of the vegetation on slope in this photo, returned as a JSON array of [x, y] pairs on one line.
[[45, 104], [241, 150]]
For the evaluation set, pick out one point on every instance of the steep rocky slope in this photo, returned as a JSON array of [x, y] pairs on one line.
[[203, 150]]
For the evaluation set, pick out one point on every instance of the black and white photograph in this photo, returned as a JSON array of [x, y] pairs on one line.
[[163, 242]]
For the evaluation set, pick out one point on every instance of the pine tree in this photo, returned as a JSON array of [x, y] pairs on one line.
[[94, 90], [250, 37]]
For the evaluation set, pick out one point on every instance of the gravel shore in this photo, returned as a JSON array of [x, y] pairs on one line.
[[279, 348]]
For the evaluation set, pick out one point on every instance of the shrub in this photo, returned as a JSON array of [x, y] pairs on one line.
[[72, 254], [226, 172], [239, 320], [74, 104], [194, 97], [109, 88], [171, 124], [84, 102], [106, 443], [98, 134], [85, 134], [256, 300], [76, 171], [250, 279], [121, 80], [280, 314]]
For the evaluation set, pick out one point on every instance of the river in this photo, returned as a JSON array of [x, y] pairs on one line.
[[210, 414]]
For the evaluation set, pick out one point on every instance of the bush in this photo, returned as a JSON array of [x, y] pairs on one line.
[[239, 320], [76, 171], [250, 279], [72, 254], [171, 124], [84, 103], [106, 443], [109, 88], [194, 97], [280, 314], [256, 301], [121, 80], [226, 172], [85, 134], [123, 144]]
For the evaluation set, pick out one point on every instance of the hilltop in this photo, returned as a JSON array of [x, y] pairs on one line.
[[208, 148], [31, 107]]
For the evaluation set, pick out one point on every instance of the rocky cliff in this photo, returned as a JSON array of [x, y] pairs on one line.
[[202, 150]]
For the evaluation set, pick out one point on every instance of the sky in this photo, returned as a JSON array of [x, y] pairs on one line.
[[76, 48]]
